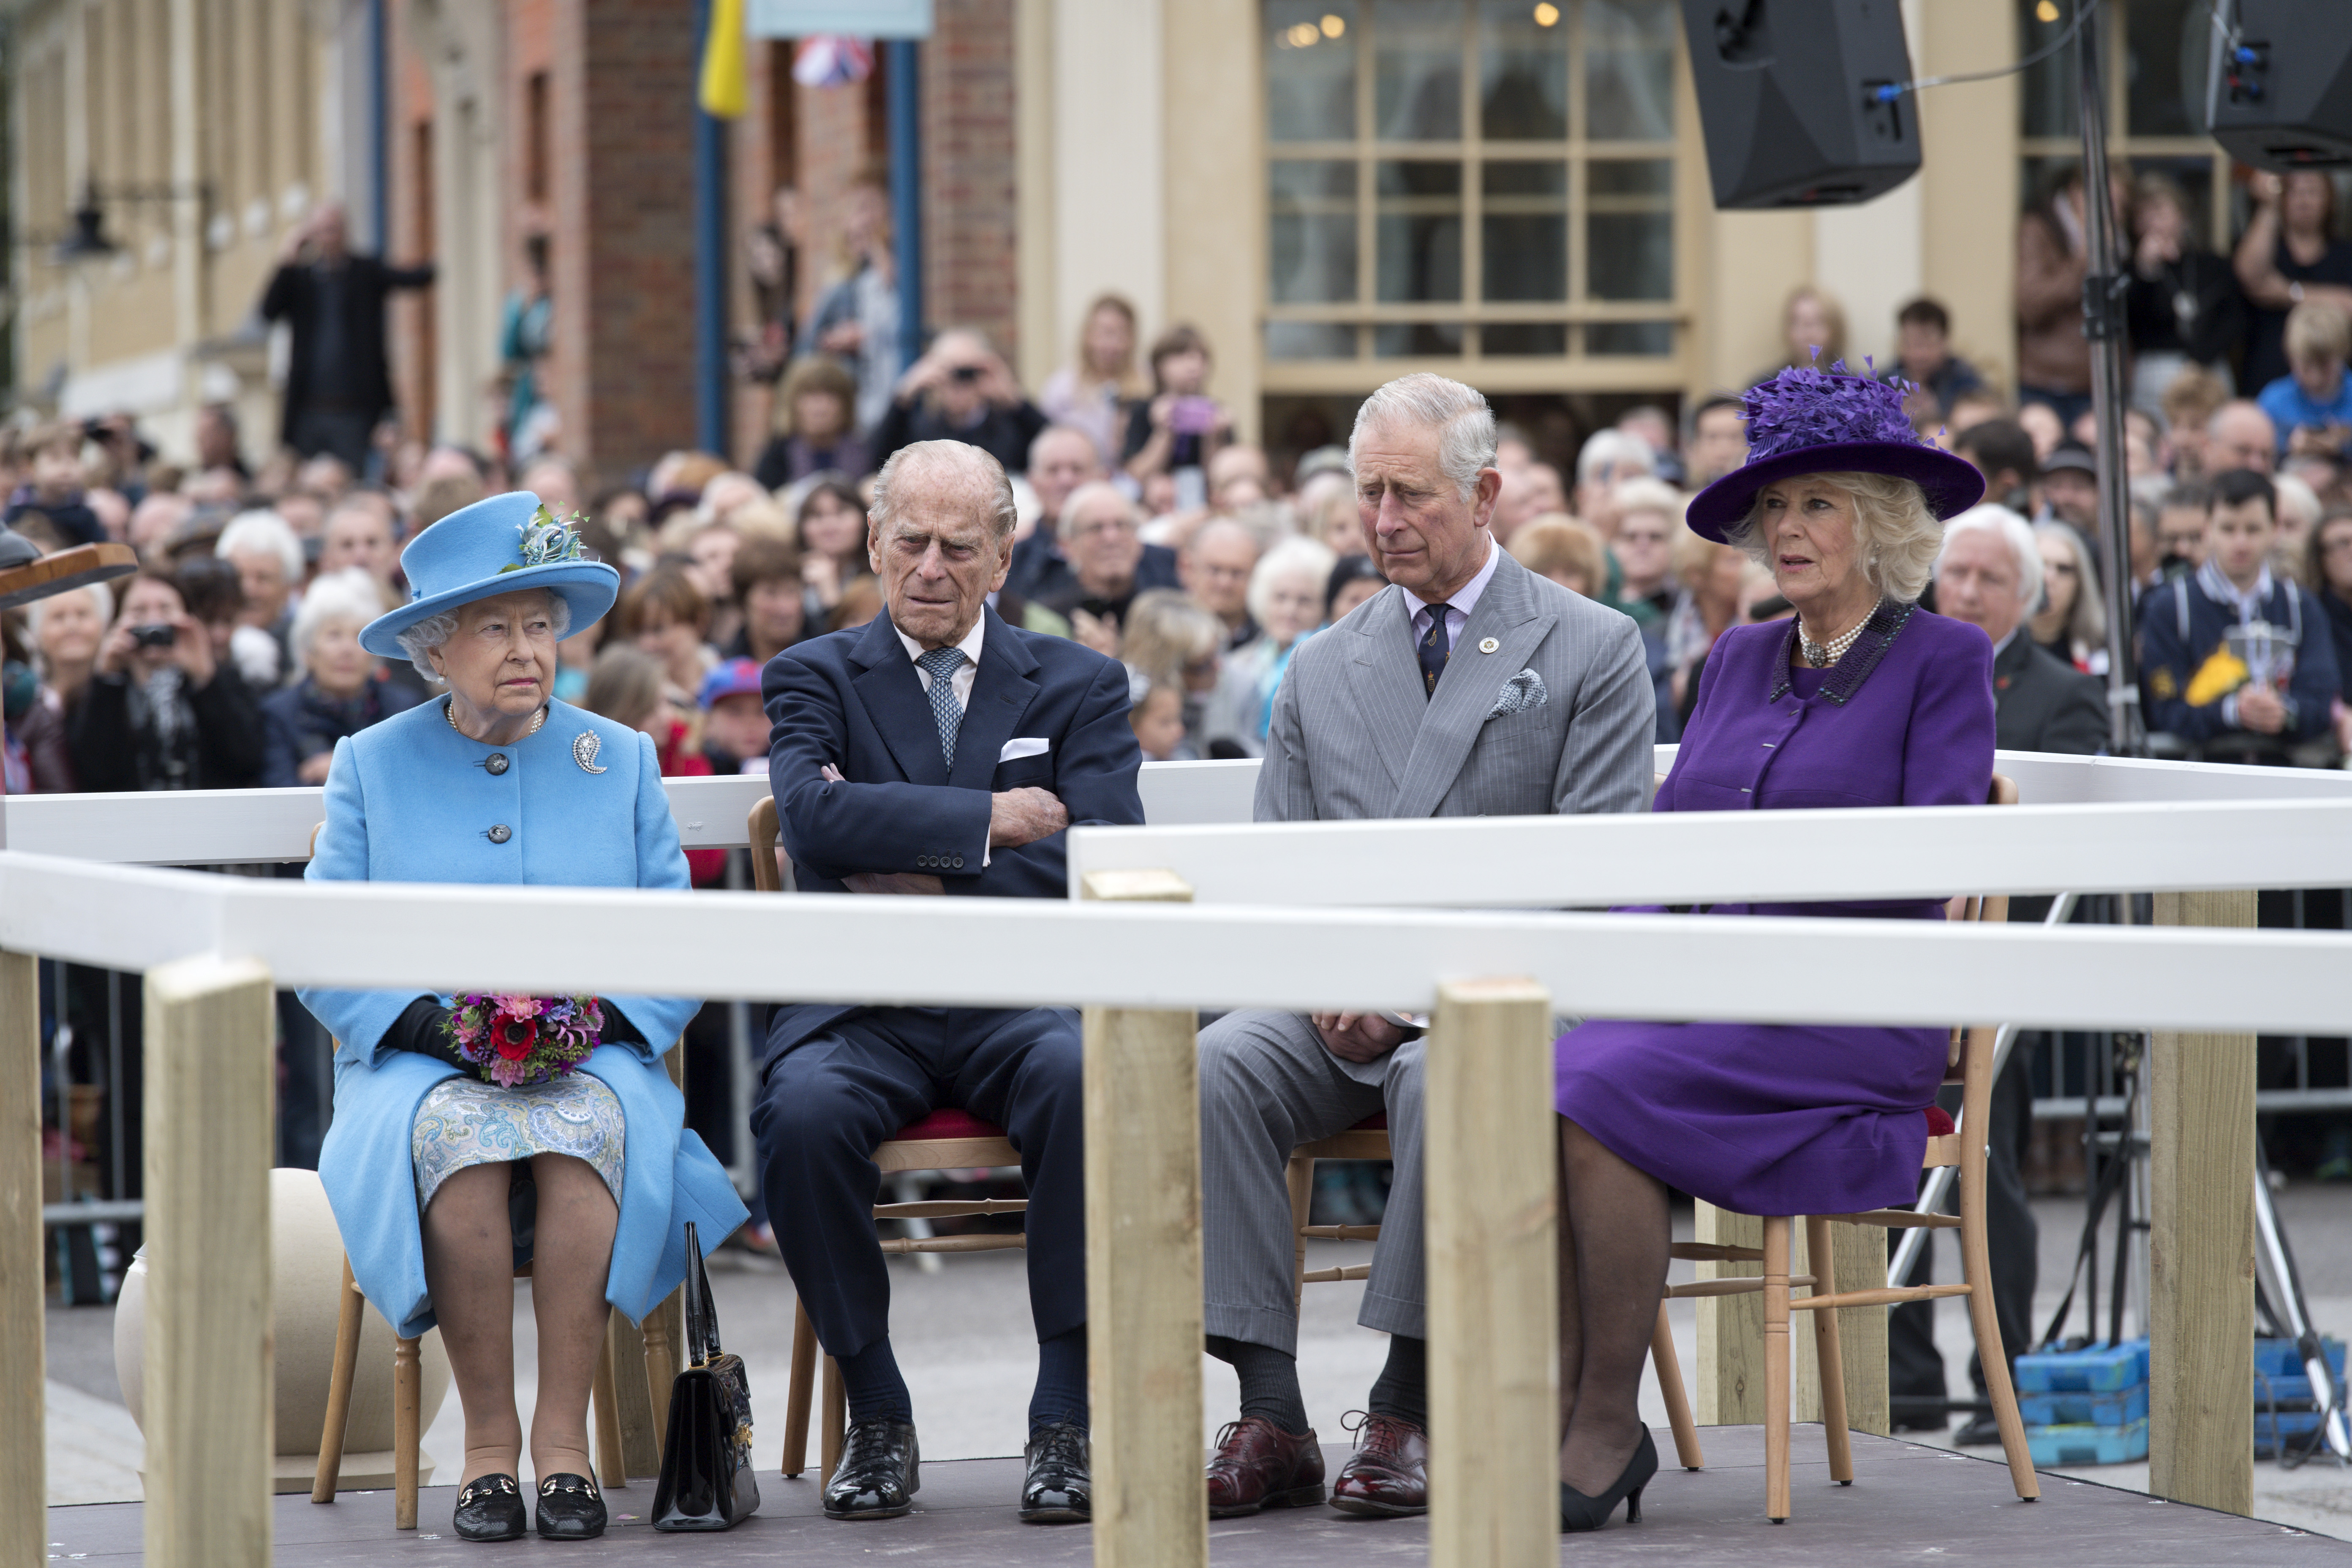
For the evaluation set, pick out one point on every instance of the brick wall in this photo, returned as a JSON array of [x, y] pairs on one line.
[[969, 254], [623, 229]]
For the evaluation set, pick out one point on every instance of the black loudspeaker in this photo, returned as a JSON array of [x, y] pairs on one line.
[[1788, 95], [2279, 91]]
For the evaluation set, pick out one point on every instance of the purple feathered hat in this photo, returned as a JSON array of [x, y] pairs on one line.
[[1811, 421]]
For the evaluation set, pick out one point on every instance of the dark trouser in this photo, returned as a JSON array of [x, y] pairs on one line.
[[305, 1080], [1913, 1366], [339, 432], [832, 1100]]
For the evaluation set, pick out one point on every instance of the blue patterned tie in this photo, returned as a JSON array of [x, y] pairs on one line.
[[1433, 650], [940, 663]]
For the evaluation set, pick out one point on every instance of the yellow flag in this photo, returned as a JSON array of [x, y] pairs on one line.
[[726, 87]]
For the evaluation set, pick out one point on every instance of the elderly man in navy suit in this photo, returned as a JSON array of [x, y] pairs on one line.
[[936, 750]]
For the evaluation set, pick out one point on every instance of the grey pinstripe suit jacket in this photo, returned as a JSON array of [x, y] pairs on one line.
[[1352, 734]]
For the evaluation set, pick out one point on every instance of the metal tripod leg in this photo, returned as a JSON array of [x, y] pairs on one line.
[[2280, 1258], [1940, 1179]]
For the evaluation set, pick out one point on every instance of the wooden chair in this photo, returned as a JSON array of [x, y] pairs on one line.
[[1968, 1065], [943, 1141], [1369, 1140]]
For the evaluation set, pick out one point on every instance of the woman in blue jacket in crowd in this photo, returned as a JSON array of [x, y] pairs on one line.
[[442, 1183]]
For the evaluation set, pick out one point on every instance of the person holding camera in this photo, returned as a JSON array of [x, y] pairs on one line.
[[338, 385], [161, 710], [1183, 426], [960, 391]]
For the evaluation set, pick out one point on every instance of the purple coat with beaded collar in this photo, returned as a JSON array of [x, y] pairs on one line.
[[1797, 1119]]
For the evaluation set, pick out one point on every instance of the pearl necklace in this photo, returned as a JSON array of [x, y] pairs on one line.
[[1821, 655], [449, 711]]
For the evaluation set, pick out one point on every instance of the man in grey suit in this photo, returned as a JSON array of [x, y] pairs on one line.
[[1470, 687]]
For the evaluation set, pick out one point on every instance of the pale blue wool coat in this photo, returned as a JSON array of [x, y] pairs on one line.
[[410, 800]]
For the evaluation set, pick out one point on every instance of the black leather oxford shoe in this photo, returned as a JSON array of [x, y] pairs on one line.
[[880, 1471], [490, 1508], [570, 1508], [1059, 1488]]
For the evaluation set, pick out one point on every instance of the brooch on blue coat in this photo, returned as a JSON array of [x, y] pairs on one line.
[[585, 747]]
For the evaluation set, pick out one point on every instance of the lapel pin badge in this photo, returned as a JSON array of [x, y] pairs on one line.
[[1488, 644]]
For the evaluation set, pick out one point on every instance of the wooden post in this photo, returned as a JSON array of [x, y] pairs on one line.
[[2201, 1435], [1729, 1378], [1143, 1269], [212, 1079], [1491, 1213], [24, 1483]]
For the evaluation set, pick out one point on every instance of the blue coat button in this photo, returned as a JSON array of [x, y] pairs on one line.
[[495, 764], [500, 834]]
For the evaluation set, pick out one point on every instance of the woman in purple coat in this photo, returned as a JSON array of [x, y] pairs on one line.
[[1864, 699]]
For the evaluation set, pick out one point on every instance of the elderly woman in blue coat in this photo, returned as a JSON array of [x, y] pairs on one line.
[[442, 1183]]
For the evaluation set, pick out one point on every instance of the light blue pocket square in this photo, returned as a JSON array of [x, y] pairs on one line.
[[1525, 689]]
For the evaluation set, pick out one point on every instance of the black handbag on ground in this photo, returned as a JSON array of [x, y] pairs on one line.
[[707, 1480]]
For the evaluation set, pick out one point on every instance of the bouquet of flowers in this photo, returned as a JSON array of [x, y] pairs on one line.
[[526, 1039]]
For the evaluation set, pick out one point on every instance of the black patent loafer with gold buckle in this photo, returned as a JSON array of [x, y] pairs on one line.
[[570, 1508], [490, 1508]]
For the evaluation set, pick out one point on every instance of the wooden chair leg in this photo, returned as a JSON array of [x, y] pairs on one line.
[[661, 1367], [406, 1379], [1301, 1178], [1776, 1368], [1828, 1354], [796, 1396], [339, 1390], [612, 1463], [1976, 1267], [836, 1422], [1670, 1385]]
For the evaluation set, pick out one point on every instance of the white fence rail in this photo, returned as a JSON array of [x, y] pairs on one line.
[[213, 827]]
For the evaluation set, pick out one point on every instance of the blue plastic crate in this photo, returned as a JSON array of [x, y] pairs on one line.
[[2086, 1445], [2279, 1358], [2087, 1409], [2284, 1389], [2101, 1369], [2289, 1427]]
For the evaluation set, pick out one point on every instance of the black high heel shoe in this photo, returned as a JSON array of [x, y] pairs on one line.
[[1579, 1512]]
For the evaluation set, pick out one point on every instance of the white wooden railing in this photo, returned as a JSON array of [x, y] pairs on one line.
[[1142, 960]]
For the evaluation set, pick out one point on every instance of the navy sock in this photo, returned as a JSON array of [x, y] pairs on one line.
[[1061, 1392], [1270, 1381], [1403, 1391], [871, 1380]]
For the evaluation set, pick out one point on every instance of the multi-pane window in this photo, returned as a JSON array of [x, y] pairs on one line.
[[2154, 55], [1467, 179]]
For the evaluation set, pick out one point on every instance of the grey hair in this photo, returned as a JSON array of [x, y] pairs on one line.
[[1626, 455], [1086, 495], [97, 591], [2087, 625], [1294, 557], [430, 633], [263, 532], [2014, 532], [350, 595], [1465, 424], [1894, 532], [1003, 512]]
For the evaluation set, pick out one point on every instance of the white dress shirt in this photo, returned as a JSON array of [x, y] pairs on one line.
[[966, 673], [1458, 607]]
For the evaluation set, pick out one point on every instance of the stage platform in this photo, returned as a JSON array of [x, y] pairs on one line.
[[1907, 1502]]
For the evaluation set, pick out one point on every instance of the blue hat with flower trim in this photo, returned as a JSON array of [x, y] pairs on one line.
[[496, 546], [1811, 421]]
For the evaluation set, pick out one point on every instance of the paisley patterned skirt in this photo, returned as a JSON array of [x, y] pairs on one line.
[[464, 1121]]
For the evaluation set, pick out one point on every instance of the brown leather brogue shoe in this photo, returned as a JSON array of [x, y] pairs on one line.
[[1388, 1475], [1259, 1465]]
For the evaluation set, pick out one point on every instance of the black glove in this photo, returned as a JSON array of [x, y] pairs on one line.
[[422, 1027], [618, 1030]]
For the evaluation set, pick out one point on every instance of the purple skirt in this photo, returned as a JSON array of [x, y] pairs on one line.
[[1759, 1119]]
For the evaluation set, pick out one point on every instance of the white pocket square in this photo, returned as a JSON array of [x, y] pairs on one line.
[[1023, 746], [1525, 689]]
